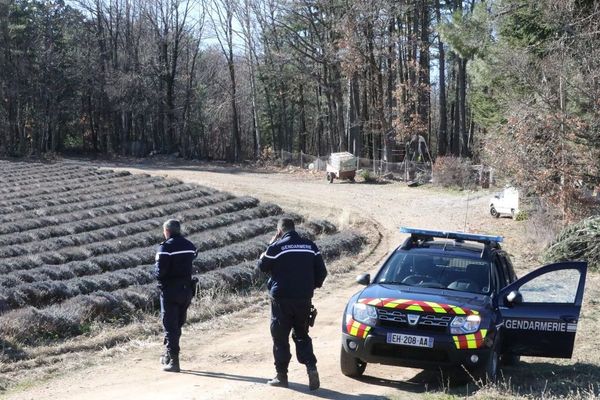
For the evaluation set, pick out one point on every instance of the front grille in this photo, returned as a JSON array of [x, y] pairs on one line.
[[435, 320], [398, 319], [391, 315], [409, 353]]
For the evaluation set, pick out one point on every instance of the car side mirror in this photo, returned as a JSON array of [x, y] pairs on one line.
[[363, 279], [514, 297]]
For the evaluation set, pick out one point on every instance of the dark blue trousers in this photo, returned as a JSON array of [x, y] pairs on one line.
[[291, 315], [173, 308]]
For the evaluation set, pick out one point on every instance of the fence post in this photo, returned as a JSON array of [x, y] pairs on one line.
[[301, 160]]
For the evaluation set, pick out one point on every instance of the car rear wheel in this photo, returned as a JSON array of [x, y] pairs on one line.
[[351, 366]]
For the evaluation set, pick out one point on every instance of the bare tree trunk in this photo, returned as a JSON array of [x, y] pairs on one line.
[[222, 14], [462, 107], [443, 128], [302, 133]]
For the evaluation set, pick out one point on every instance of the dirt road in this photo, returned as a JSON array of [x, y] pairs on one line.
[[231, 357]]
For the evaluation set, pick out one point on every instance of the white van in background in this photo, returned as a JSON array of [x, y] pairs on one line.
[[505, 202]]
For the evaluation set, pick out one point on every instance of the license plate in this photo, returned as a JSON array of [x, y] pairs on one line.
[[409, 340]]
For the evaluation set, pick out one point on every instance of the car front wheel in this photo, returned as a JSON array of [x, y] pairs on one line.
[[510, 359], [489, 371], [351, 366], [494, 212]]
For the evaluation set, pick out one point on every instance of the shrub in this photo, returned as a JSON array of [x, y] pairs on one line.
[[367, 176], [320, 226], [580, 241], [522, 216], [31, 326], [453, 172]]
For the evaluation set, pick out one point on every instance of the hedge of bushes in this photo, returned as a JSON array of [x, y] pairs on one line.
[[77, 245], [119, 304]]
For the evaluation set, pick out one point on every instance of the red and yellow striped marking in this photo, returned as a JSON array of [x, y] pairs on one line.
[[357, 329], [421, 306], [472, 341]]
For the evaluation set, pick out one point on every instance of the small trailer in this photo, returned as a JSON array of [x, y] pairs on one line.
[[342, 166]]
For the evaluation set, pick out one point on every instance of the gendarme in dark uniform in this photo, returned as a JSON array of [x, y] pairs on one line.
[[173, 270], [296, 268]]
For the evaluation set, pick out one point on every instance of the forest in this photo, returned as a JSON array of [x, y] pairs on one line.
[[514, 84]]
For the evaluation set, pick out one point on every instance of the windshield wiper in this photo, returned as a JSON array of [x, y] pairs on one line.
[[433, 285]]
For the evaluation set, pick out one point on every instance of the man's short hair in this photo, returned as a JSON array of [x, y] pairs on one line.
[[173, 226], [286, 225]]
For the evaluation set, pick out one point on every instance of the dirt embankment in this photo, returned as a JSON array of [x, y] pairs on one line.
[[230, 357]]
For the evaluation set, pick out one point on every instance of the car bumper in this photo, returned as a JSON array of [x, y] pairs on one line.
[[444, 354]]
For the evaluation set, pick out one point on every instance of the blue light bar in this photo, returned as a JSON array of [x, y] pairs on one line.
[[452, 235]]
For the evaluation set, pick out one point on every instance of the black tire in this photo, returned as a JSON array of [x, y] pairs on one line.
[[351, 366], [488, 372], [330, 177], [494, 213], [510, 359]]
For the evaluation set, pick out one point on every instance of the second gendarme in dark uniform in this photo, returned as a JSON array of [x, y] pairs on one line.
[[296, 268], [173, 270]]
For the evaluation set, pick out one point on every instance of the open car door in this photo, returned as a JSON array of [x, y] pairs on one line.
[[540, 311]]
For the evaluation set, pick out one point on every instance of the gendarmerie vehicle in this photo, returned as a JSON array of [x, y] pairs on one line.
[[449, 299]]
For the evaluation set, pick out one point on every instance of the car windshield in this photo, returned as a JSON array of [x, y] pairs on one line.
[[436, 271]]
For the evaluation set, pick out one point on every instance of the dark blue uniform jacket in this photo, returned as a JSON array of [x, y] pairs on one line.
[[173, 267], [295, 265]]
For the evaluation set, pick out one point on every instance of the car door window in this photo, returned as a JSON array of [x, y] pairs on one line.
[[500, 271], [553, 287], [505, 270], [495, 278], [510, 271]]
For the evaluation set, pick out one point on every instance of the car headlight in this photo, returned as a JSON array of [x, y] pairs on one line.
[[364, 313], [462, 325]]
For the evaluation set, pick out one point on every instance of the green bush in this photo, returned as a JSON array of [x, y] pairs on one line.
[[579, 241], [522, 216], [368, 176]]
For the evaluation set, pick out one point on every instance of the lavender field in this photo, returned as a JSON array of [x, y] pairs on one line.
[[77, 245]]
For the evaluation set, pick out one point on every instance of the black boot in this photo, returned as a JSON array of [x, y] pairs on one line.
[[313, 378], [280, 380], [173, 365]]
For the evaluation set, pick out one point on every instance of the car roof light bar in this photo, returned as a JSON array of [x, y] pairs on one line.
[[452, 235]]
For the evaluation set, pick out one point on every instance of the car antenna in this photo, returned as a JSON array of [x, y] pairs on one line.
[[445, 242], [467, 211]]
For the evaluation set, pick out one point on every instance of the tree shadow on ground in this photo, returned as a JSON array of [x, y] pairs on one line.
[[322, 393], [219, 168]]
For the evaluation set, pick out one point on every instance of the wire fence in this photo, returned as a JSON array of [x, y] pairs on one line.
[[405, 171]]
